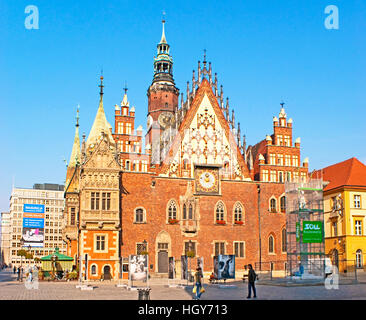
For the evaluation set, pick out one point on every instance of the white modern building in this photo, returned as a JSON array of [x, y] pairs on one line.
[[5, 223], [36, 221]]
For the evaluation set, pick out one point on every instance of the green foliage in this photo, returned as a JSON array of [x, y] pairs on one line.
[[22, 253], [72, 275], [191, 254], [29, 255]]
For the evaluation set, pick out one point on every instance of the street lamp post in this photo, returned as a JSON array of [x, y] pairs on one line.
[[190, 258]]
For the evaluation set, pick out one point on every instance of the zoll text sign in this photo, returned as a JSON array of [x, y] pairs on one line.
[[312, 231]]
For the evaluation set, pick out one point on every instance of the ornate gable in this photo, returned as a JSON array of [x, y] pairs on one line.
[[204, 137], [101, 157]]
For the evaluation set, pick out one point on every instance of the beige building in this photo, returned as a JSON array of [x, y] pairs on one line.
[[48, 197], [5, 238]]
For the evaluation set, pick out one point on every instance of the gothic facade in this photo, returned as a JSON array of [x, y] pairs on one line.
[[194, 187]]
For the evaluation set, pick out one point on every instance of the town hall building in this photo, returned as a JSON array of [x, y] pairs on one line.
[[193, 187]]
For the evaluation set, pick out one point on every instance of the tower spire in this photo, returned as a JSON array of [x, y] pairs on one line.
[[163, 39], [100, 126], [76, 151], [101, 86]]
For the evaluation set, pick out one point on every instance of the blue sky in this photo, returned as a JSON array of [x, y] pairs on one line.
[[263, 51]]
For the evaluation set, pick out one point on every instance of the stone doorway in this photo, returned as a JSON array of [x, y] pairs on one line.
[[163, 261], [107, 273]]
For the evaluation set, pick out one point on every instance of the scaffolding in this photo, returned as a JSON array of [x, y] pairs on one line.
[[305, 230]]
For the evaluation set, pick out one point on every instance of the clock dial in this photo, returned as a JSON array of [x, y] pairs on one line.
[[207, 180], [165, 119]]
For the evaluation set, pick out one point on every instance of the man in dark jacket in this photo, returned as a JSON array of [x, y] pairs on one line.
[[252, 276]]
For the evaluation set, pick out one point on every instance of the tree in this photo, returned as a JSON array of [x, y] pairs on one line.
[[29, 255], [21, 253]]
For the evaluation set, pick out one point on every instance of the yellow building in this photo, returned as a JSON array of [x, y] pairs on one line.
[[345, 213]]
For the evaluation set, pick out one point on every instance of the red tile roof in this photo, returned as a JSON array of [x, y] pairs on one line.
[[351, 172]]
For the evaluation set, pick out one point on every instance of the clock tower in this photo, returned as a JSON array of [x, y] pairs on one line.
[[162, 99]]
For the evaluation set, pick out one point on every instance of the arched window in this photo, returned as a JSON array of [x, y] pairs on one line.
[[238, 213], [93, 269], [271, 244], [283, 204], [284, 240], [172, 210], [273, 205], [220, 211], [184, 212], [139, 215], [359, 259], [190, 212]]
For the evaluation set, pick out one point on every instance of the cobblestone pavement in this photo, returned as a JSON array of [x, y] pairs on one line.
[[10, 289]]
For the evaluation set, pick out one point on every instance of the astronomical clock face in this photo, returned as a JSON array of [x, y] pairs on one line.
[[207, 180], [165, 119]]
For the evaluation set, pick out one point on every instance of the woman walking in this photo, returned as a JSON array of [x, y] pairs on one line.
[[198, 289]]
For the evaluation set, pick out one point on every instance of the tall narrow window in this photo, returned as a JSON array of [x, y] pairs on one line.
[[283, 204], [273, 205], [357, 201], [94, 201], [280, 176], [100, 243], [106, 200], [239, 249], [72, 216], [172, 210], [219, 248], [120, 127], [279, 140], [184, 212], [335, 229], [358, 227], [139, 215], [238, 213], [220, 211], [271, 244], [359, 259], [284, 240], [190, 212]]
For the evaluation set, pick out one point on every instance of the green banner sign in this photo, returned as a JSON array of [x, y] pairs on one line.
[[312, 232], [297, 231]]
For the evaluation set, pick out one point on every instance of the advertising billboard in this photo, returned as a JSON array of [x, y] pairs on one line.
[[138, 267], [312, 232], [33, 225], [226, 266], [184, 267]]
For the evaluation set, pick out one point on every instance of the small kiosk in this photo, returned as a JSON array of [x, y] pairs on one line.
[[56, 262]]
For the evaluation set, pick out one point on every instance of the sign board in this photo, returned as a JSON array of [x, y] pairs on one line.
[[138, 269], [312, 231], [297, 231], [33, 225], [226, 266]]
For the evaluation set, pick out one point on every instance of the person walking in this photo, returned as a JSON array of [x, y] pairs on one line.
[[252, 276], [14, 269], [18, 272], [198, 289]]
